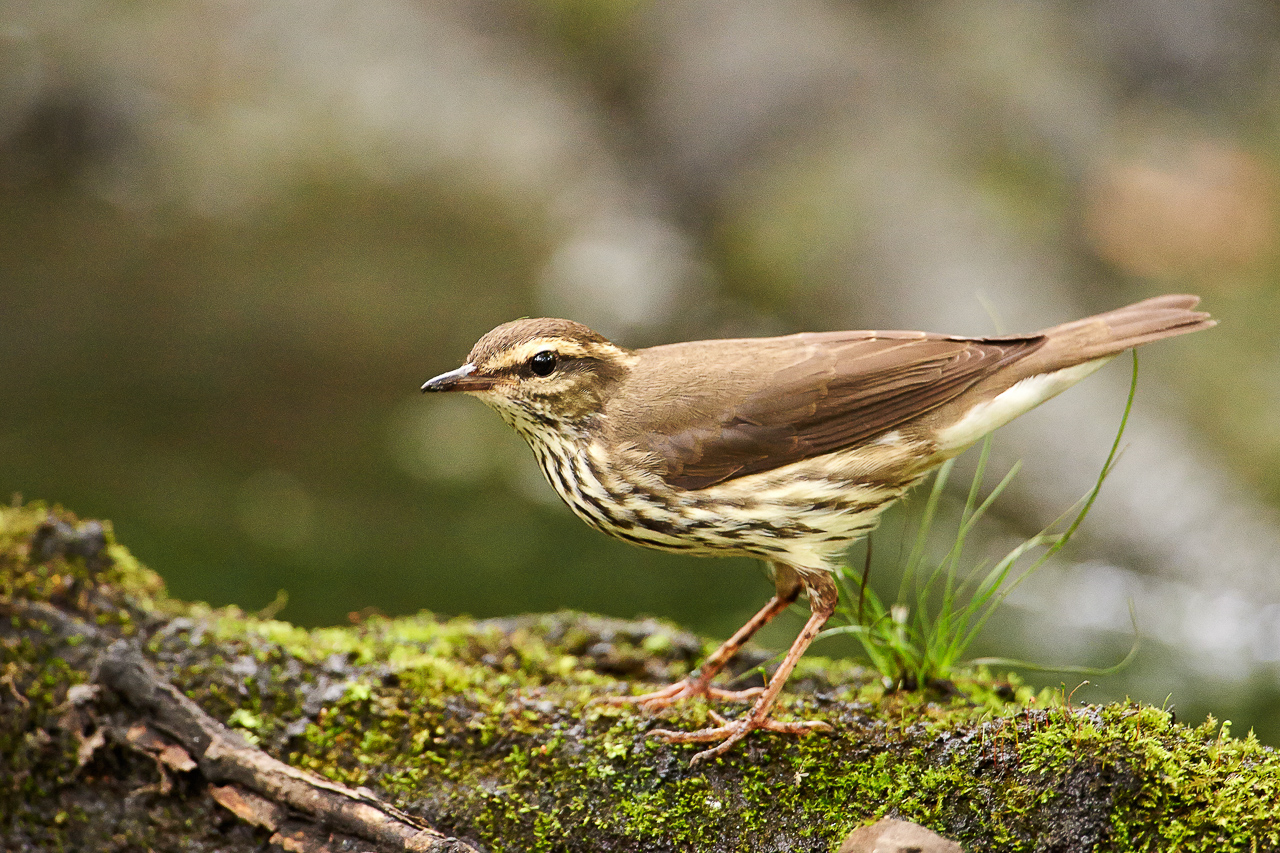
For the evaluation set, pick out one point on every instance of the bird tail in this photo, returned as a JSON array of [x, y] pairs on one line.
[[1115, 331]]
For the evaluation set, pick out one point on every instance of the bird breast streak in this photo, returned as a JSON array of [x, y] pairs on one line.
[[803, 514]]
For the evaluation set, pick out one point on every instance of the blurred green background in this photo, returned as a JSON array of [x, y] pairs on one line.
[[235, 239]]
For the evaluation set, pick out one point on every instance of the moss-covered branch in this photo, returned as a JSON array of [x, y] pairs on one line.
[[487, 732]]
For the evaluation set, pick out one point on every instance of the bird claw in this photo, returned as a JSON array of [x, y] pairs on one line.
[[729, 732], [683, 689]]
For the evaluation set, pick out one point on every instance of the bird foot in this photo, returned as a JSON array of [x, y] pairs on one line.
[[729, 732], [685, 688]]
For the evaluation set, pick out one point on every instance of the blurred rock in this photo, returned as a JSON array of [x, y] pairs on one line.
[[1191, 208], [897, 836]]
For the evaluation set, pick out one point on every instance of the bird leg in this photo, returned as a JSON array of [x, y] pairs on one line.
[[698, 683], [822, 602]]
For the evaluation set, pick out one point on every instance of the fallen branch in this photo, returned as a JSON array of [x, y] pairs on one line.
[[223, 756]]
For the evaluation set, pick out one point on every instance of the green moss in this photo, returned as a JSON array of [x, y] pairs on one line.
[[48, 555], [491, 730]]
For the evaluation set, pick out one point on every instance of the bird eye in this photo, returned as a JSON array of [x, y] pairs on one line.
[[543, 363]]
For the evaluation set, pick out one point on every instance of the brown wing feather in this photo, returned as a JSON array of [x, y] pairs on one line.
[[746, 407]]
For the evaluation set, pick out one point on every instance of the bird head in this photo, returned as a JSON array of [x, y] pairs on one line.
[[540, 372]]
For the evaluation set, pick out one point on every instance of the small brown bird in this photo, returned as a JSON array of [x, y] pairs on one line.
[[787, 449]]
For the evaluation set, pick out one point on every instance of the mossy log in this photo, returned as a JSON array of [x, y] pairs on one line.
[[132, 721]]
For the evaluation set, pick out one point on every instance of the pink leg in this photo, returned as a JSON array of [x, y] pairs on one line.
[[699, 683], [822, 601]]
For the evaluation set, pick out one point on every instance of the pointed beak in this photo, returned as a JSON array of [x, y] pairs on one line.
[[459, 380]]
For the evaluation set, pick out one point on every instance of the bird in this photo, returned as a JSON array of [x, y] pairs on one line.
[[787, 449]]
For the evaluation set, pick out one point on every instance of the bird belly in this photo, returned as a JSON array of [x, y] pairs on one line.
[[804, 514]]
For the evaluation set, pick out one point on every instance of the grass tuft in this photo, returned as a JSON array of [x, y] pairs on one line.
[[920, 638]]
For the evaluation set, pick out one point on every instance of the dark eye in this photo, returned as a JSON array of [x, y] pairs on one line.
[[543, 363]]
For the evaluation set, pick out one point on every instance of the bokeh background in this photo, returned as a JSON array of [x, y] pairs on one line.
[[236, 237]]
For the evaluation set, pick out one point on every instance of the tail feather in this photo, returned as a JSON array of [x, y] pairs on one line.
[[1115, 331]]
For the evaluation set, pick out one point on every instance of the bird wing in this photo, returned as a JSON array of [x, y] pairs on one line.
[[718, 410]]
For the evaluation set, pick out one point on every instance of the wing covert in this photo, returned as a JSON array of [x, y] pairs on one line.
[[750, 406]]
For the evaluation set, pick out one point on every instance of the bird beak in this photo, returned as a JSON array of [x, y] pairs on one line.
[[459, 380]]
